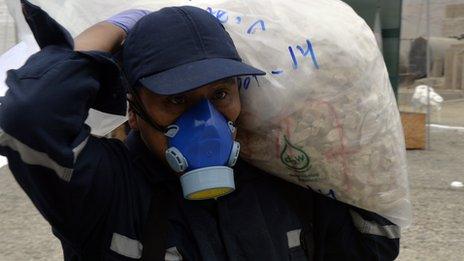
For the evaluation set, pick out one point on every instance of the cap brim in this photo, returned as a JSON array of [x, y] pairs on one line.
[[192, 75]]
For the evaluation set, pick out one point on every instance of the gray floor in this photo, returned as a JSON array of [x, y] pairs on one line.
[[24, 234], [438, 226]]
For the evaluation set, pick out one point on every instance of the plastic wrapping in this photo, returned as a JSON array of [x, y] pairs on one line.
[[324, 116]]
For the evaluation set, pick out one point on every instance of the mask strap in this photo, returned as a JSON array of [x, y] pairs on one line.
[[137, 106]]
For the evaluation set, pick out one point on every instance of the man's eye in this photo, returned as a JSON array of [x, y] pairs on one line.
[[177, 99], [219, 95]]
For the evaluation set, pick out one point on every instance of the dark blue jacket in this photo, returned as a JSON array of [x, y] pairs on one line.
[[96, 192]]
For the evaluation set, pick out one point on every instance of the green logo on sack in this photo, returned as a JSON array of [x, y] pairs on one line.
[[294, 157]]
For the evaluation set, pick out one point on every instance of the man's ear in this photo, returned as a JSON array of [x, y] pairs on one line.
[[132, 116]]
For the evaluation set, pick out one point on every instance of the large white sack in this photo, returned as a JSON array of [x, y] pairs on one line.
[[324, 116]]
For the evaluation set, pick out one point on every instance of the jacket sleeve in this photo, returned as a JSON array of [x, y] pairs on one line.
[[350, 233], [68, 174]]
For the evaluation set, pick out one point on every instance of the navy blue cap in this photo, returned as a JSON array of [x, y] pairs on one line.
[[177, 49]]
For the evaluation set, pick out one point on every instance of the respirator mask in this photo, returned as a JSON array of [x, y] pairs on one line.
[[201, 146]]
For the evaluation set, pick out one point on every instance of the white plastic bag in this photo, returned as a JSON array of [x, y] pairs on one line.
[[324, 116], [424, 95]]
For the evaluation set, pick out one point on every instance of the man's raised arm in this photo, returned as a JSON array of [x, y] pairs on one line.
[[67, 173]]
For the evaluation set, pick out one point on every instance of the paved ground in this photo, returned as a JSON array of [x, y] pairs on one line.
[[24, 234], [438, 229]]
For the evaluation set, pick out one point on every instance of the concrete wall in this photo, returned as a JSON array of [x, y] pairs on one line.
[[414, 22], [453, 25]]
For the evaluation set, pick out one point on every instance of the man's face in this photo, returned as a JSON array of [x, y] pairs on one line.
[[165, 109]]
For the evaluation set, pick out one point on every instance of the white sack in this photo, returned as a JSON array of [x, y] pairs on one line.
[[324, 116], [424, 95]]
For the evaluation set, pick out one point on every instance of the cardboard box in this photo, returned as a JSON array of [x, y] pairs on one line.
[[414, 130]]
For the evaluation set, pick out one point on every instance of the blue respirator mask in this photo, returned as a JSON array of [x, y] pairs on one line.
[[201, 145]]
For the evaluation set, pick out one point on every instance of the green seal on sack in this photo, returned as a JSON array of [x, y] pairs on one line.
[[295, 158]]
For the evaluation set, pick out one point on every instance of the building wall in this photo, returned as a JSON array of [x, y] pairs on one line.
[[414, 22]]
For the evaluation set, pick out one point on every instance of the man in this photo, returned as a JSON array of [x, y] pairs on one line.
[[110, 201]]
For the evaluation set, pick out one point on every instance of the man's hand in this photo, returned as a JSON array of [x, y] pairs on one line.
[[108, 36]]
